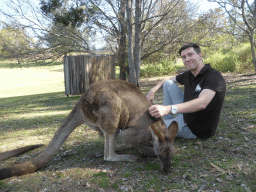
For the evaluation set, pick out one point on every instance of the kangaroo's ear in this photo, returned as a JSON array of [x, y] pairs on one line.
[[157, 133], [172, 131]]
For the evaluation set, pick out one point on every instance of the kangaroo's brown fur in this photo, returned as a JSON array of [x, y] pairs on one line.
[[107, 107], [15, 152]]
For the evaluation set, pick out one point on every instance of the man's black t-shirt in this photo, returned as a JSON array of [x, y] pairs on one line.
[[203, 123]]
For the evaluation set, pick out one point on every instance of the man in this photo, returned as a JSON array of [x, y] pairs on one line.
[[198, 109]]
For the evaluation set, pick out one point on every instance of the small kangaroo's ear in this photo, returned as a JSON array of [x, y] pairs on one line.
[[172, 131], [157, 132]]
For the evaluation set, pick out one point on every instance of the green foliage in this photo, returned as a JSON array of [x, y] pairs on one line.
[[50, 6], [220, 43], [244, 54], [165, 67], [237, 59], [74, 16], [223, 62], [14, 42]]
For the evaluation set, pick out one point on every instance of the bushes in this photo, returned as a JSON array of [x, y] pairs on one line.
[[245, 57], [238, 59], [222, 62], [164, 67]]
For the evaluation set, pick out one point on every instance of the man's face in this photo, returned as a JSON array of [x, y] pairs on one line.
[[191, 59]]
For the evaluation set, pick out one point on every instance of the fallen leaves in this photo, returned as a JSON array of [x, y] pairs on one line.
[[217, 168], [249, 127]]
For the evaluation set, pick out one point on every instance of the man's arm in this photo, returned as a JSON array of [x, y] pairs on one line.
[[198, 104], [151, 93]]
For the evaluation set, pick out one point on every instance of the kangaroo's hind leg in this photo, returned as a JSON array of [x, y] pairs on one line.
[[109, 113]]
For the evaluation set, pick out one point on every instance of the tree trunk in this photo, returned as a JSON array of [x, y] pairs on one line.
[[132, 74], [253, 50], [252, 39], [122, 42], [137, 46]]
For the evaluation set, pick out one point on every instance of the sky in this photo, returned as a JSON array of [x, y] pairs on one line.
[[203, 4]]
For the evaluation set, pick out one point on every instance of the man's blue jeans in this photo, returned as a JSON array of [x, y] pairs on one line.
[[173, 95]]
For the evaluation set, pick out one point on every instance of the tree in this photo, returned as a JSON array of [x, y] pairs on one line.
[[132, 72], [151, 32], [121, 51], [243, 14], [62, 40], [137, 39], [143, 22], [137, 29], [14, 42], [92, 14], [168, 24], [68, 30], [54, 38], [211, 32]]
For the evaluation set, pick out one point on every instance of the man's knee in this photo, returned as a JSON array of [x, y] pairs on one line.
[[168, 84]]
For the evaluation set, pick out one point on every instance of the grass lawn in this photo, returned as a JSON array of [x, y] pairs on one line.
[[31, 81], [33, 105]]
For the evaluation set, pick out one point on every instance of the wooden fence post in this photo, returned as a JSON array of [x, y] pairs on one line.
[[83, 70]]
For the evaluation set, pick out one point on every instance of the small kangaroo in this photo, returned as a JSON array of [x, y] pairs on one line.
[[108, 107]]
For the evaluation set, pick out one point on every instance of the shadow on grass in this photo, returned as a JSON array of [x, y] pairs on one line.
[[54, 99], [31, 123], [41, 110]]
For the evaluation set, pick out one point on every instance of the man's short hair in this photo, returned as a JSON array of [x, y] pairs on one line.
[[194, 45]]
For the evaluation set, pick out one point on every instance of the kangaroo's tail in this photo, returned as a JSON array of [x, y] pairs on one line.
[[73, 120], [15, 152]]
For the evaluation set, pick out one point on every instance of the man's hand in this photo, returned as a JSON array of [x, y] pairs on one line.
[[150, 96], [158, 111]]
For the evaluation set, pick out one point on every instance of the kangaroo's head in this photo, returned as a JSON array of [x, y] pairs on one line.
[[163, 142]]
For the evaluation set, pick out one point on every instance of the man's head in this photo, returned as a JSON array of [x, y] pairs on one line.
[[194, 45], [192, 57]]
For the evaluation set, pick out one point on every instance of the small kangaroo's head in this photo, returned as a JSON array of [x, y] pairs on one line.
[[163, 142]]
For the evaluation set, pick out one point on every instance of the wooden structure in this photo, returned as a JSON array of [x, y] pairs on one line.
[[81, 71]]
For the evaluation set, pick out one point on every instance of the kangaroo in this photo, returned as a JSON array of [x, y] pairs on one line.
[[108, 107], [15, 152]]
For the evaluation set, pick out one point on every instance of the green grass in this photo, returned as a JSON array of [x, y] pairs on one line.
[[150, 166], [32, 115], [31, 81]]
